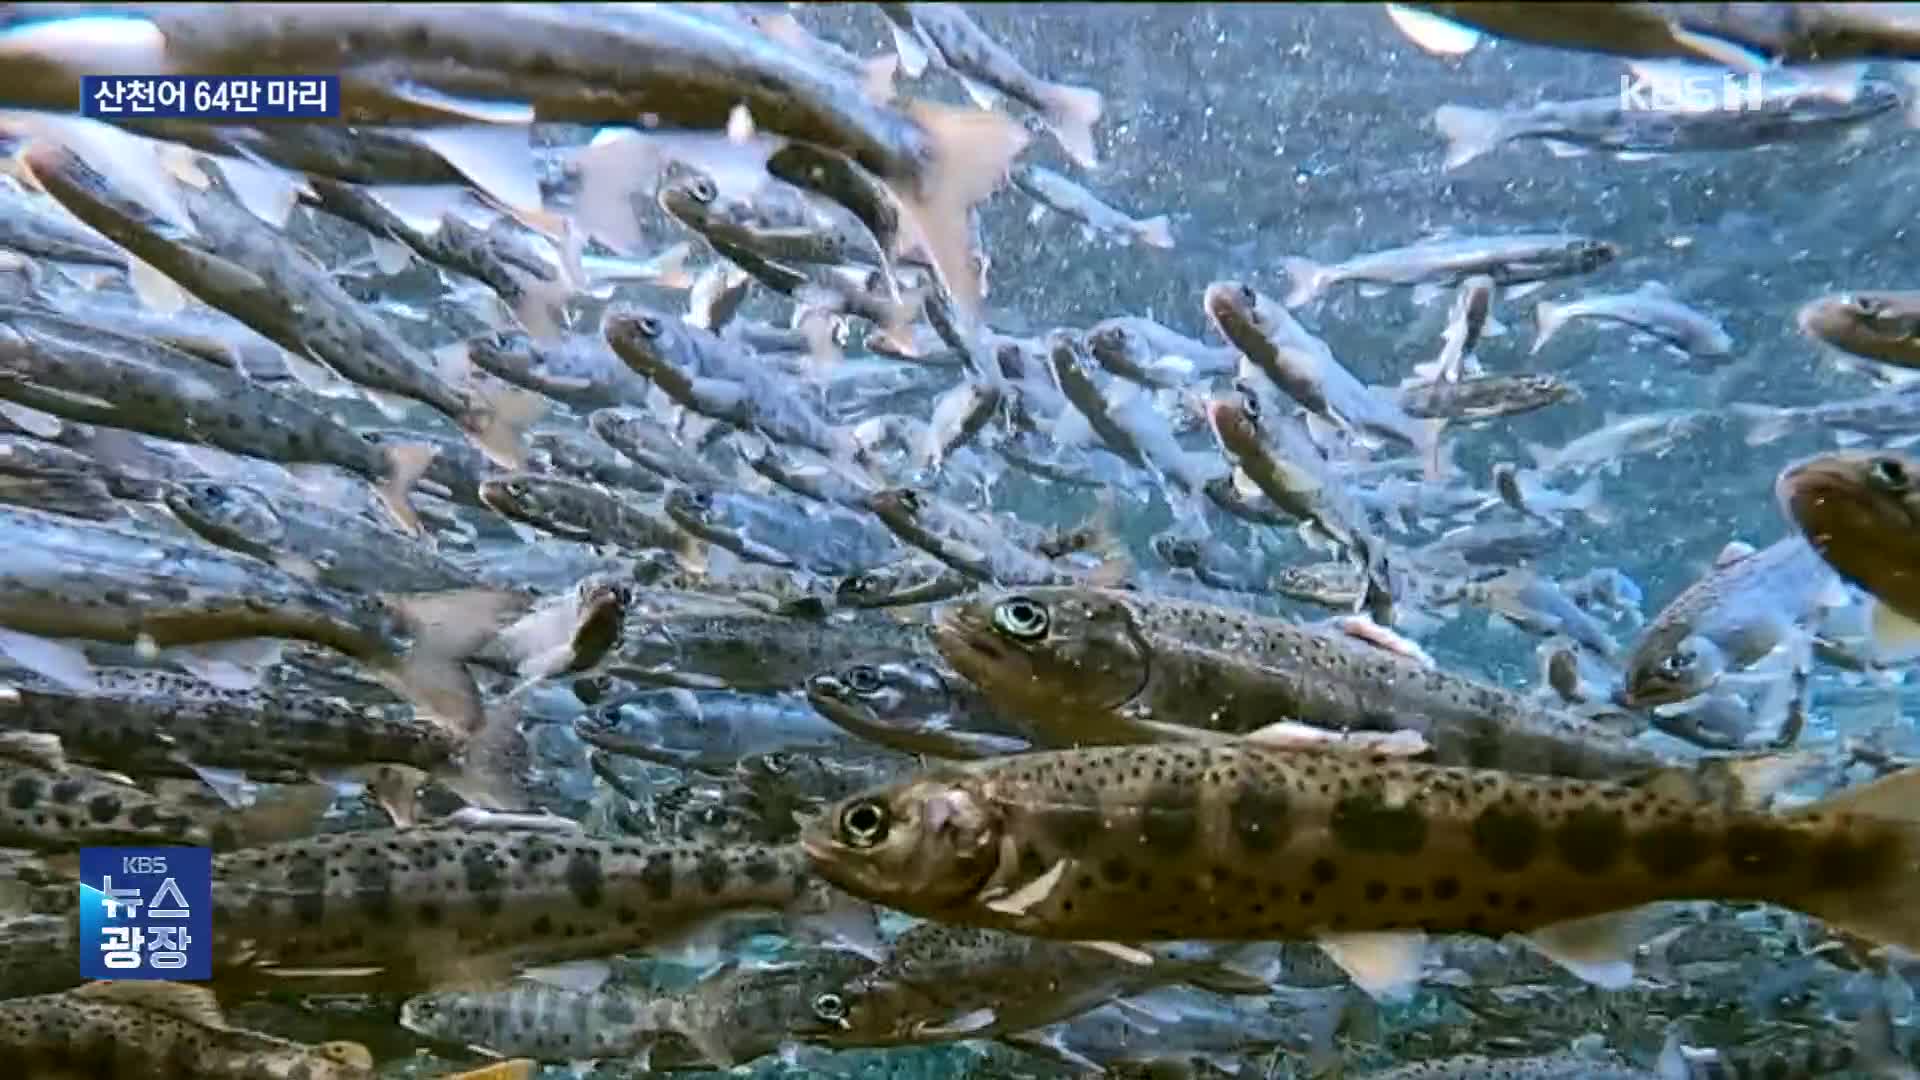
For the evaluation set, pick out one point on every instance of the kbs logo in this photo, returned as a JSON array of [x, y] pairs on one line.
[[146, 913]]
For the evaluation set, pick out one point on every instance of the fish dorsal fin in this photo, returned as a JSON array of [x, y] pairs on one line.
[[1735, 551], [36, 748], [1598, 950], [517, 1069], [964, 1024], [1385, 965], [194, 1004]]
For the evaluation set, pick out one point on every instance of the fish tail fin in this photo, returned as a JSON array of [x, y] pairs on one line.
[[1071, 113], [1155, 231], [971, 152], [876, 77], [670, 267], [1548, 318], [1306, 280], [447, 627], [1765, 424], [406, 464], [1885, 811], [1469, 132], [498, 422]]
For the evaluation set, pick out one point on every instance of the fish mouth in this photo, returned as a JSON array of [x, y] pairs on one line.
[[828, 688]]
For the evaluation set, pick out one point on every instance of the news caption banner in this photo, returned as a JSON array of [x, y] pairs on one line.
[[146, 913], [210, 97]]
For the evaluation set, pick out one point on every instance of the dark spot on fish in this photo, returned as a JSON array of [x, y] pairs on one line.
[[1071, 827], [1508, 839], [1324, 871], [1846, 862], [1670, 850], [1411, 894], [1364, 822], [65, 791], [584, 878], [430, 913], [103, 808], [1259, 817], [1376, 891], [1759, 848], [1170, 821], [23, 793], [1116, 870], [1483, 747], [657, 876], [617, 1010], [1591, 840], [760, 870], [373, 889], [626, 916], [1495, 899], [483, 880], [143, 817], [712, 872], [542, 926]]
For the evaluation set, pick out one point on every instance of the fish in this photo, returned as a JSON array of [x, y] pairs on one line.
[[235, 263], [1083, 666], [583, 456], [987, 71], [1891, 417], [580, 511], [310, 541], [1486, 397], [1142, 350], [1770, 112], [1055, 192], [159, 1030], [703, 642], [97, 376], [1236, 842], [646, 442], [1855, 511], [580, 371], [1517, 259], [915, 707], [1881, 326], [422, 907], [1652, 308], [1749, 603], [812, 537], [915, 580], [942, 983], [1607, 446], [1306, 369], [75, 579], [970, 543], [708, 730]]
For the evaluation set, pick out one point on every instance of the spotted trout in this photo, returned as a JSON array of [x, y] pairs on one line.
[[1146, 843]]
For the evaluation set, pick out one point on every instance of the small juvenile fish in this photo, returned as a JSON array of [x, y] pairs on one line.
[[579, 371], [813, 537], [645, 440], [1748, 604], [582, 512], [915, 707], [160, 1031], [583, 456], [1883, 326], [987, 70], [1236, 842], [1779, 113], [1508, 260], [1485, 397], [1139, 349], [1607, 446], [915, 580], [1056, 192], [704, 642], [708, 730], [1651, 309]]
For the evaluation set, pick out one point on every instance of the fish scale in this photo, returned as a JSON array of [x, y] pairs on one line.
[[431, 902], [1155, 843]]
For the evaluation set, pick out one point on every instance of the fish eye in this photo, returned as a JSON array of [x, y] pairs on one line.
[[702, 190], [830, 1007], [699, 500], [863, 679], [517, 488], [776, 763], [842, 332], [1021, 618], [910, 499], [864, 824], [1866, 305], [1888, 473], [650, 326], [1248, 296], [1677, 662]]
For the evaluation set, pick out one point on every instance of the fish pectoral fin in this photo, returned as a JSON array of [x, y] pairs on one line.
[[580, 976], [965, 1024], [1597, 950], [1895, 637], [1024, 898], [1293, 735], [194, 1004], [37, 748], [1385, 965], [1125, 953]]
